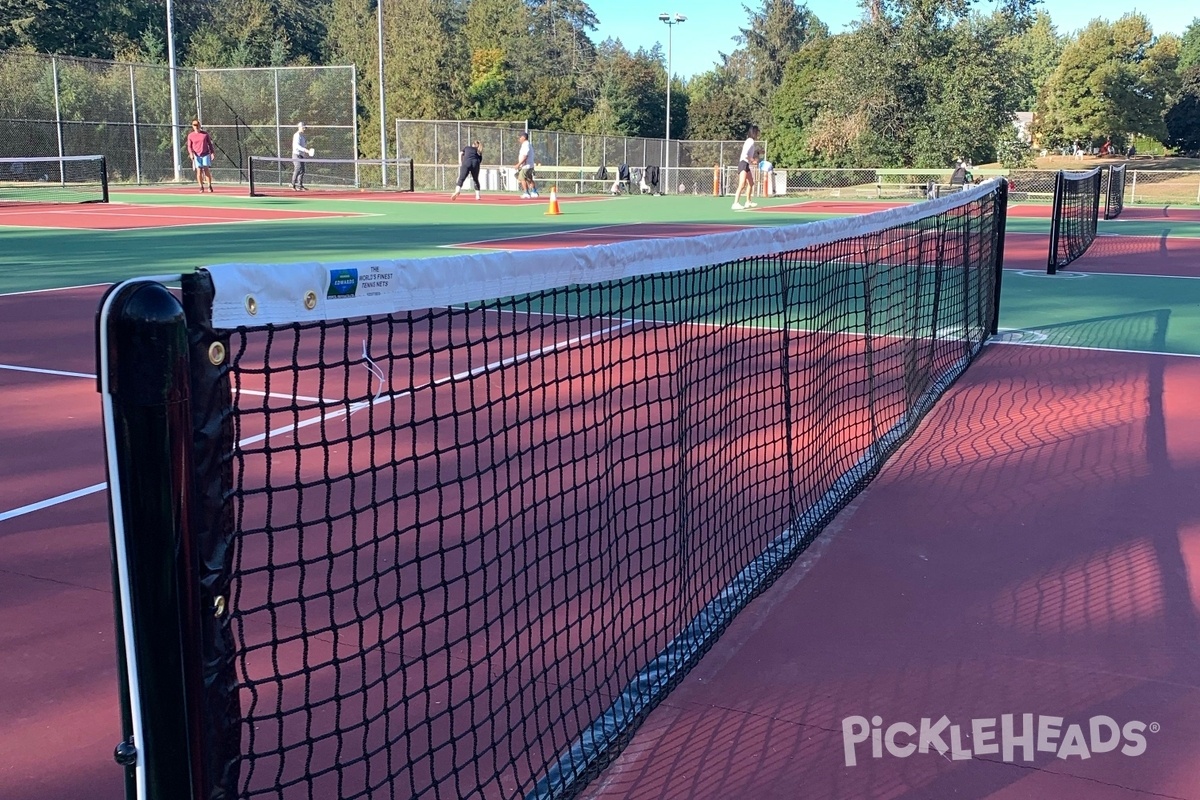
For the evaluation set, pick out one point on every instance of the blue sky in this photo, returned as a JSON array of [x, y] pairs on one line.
[[711, 25]]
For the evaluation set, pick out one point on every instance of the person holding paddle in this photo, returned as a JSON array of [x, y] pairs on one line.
[[300, 151]]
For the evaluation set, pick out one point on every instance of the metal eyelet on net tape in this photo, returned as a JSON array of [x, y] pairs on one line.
[[310, 299], [216, 353], [219, 606], [251, 305]]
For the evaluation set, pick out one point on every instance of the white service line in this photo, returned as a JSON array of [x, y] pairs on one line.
[[59, 372], [53, 501]]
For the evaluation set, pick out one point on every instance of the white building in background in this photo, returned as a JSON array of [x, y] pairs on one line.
[[1023, 122]]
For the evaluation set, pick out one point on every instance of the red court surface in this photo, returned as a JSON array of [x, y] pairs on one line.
[[1034, 549], [321, 193], [119, 216], [1168, 256], [601, 234]]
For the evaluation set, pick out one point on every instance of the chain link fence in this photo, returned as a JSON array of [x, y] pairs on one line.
[[65, 106], [575, 162], [254, 111]]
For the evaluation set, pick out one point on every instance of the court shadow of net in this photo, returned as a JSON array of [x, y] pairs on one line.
[[1020, 555], [1144, 331]]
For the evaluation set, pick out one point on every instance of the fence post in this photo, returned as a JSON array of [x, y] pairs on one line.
[[58, 123], [278, 129], [137, 147], [1133, 189]]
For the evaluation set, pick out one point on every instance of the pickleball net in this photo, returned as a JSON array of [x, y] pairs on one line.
[[1075, 216], [269, 176], [53, 179], [451, 528], [1114, 196]]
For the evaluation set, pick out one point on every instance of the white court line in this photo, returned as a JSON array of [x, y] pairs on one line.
[[534, 235], [91, 376], [58, 289], [53, 501], [282, 396], [59, 372]]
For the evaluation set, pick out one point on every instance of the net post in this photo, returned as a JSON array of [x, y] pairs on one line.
[[1055, 222], [218, 713], [250, 174], [1096, 197], [142, 345], [1001, 201], [103, 179], [1108, 191]]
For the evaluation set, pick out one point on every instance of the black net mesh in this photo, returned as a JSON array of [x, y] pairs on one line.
[[1114, 200], [73, 179], [271, 176], [1075, 216], [474, 545]]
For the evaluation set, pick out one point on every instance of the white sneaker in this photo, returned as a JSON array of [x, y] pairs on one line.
[[737, 206], [525, 196], [455, 195], [534, 194], [477, 195], [750, 205]]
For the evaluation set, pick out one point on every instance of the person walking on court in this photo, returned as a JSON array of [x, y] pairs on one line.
[[745, 177], [469, 163], [300, 151], [200, 148], [524, 167]]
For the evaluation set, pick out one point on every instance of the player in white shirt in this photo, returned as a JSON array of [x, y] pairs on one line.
[[300, 151], [524, 167], [745, 177]]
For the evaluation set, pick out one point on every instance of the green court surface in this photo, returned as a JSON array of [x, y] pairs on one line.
[[1117, 312], [38, 258]]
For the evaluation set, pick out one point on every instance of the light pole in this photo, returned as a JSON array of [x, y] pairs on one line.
[[670, 20], [171, 78], [382, 104]]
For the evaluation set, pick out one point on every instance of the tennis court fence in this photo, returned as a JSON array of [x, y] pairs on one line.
[[450, 528], [58, 106]]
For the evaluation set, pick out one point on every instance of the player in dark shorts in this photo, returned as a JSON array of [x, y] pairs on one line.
[[469, 163], [745, 176]]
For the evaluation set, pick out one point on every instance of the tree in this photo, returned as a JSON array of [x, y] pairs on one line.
[[632, 100], [98, 29], [1189, 47], [792, 107], [1183, 117], [917, 85], [1113, 79], [718, 107], [499, 35], [774, 35], [1037, 52]]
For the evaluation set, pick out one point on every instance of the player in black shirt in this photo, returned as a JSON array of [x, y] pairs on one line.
[[469, 163]]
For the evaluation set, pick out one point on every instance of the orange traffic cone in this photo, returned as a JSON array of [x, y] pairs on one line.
[[553, 209]]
